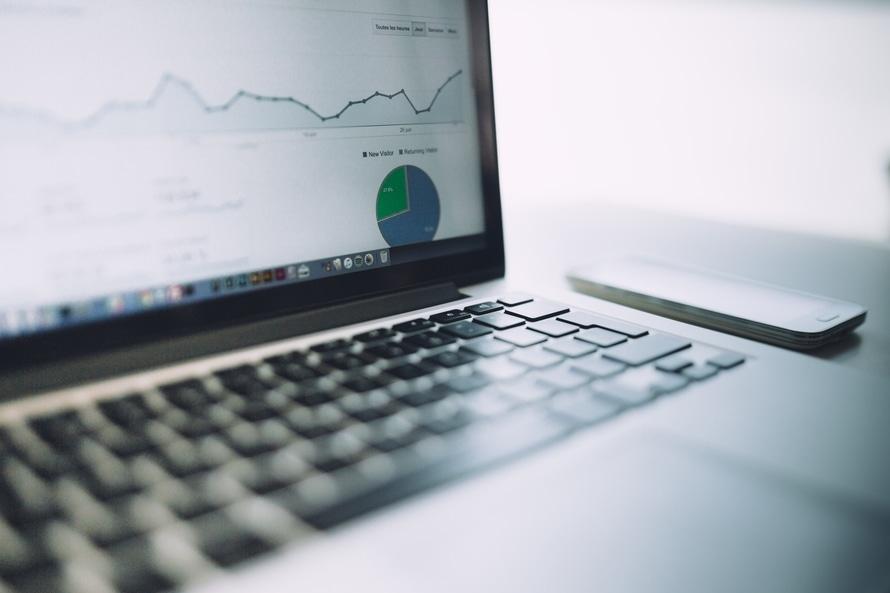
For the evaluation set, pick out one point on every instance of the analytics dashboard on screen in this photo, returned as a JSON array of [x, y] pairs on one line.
[[146, 144]]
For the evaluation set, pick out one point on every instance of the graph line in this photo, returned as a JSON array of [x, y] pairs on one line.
[[170, 80]]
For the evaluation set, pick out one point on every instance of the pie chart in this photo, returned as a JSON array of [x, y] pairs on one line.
[[407, 206]]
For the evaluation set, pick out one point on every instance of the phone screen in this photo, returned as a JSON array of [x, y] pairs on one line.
[[711, 291]]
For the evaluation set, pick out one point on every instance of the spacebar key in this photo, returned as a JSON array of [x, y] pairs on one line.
[[480, 446], [645, 349]]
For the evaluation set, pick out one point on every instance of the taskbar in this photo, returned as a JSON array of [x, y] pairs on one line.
[[27, 321]]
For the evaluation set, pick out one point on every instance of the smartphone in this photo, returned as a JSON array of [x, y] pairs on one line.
[[731, 304]]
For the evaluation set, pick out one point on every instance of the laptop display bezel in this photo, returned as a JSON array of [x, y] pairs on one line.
[[461, 269]]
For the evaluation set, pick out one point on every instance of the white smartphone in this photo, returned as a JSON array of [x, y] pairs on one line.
[[747, 308]]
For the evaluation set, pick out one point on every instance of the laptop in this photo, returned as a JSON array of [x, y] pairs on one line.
[[256, 335]]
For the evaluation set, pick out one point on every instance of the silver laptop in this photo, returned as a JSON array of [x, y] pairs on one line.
[[255, 335]]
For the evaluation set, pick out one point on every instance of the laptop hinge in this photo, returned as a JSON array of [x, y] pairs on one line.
[[175, 350]]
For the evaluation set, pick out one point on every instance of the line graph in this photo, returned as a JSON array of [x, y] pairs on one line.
[[176, 105]]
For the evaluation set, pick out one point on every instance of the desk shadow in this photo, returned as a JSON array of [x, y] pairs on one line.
[[845, 346]]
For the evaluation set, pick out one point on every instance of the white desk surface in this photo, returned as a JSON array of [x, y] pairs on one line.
[[545, 240]]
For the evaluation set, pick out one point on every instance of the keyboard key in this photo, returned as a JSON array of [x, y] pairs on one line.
[[483, 308], [136, 569], [24, 497], [468, 383], [60, 429], [243, 371], [313, 397], [673, 364], [346, 361], [253, 411], [48, 579], [23, 560], [273, 471], [144, 582], [49, 463], [536, 358], [598, 368], [699, 372], [646, 349], [23, 552], [580, 407], [105, 483], [430, 340], [187, 384], [245, 381], [185, 502], [219, 417], [320, 491], [488, 348], [370, 414], [625, 395], [553, 328], [538, 310], [668, 383], [129, 411], [190, 425], [449, 316], [362, 384], [441, 424], [499, 321], [489, 403], [409, 371], [602, 337], [425, 397], [570, 347], [311, 423], [245, 439], [521, 337], [391, 434], [451, 359], [392, 350], [188, 395], [181, 459], [726, 360], [112, 531], [125, 444], [501, 369], [332, 346], [297, 373], [225, 542], [375, 335], [337, 451], [563, 378], [413, 326], [527, 390], [466, 330], [513, 299], [368, 407], [588, 320], [286, 359]]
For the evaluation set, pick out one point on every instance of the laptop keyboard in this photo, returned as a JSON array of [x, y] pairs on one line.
[[148, 491]]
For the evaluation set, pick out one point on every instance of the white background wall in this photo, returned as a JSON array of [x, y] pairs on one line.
[[768, 113]]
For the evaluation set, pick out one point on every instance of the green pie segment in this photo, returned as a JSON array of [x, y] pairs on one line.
[[392, 198], [408, 206]]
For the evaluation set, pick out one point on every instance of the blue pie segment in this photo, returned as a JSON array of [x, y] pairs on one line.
[[407, 206]]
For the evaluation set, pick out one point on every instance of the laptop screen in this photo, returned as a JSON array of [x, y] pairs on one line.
[[155, 154]]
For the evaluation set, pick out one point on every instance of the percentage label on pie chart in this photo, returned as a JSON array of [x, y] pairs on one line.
[[407, 206]]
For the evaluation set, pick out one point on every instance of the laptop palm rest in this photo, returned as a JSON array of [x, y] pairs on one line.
[[656, 516]]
